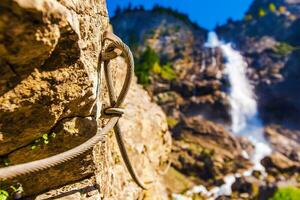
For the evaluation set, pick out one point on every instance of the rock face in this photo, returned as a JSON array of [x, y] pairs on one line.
[[49, 55], [179, 43], [148, 142], [272, 55], [196, 100], [204, 151], [286, 156], [285, 141]]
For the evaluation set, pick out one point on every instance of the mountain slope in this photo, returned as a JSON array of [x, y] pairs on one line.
[[188, 81], [270, 42]]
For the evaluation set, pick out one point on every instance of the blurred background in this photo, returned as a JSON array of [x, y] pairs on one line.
[[227, 76], [206, 13]]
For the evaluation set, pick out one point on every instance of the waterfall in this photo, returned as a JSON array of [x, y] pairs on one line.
[[244, 115]]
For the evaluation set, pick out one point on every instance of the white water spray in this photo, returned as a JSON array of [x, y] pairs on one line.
[[244, 115]]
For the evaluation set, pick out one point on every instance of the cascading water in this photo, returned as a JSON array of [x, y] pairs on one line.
[[244, 114]]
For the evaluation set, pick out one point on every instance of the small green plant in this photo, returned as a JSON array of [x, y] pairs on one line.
[[286, 193], [167, 72], [261, 12], [45, 139], [3, 195], [172, 122], [36, 143], [17, 189], [272, 7], [284, 48]]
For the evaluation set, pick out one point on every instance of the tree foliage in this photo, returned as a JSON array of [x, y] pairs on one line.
[[183, 17], [272, 7], [149, 63], [145, 62], [129, 8], [3, 195], [284, 48], [261, 12], [286, 193]]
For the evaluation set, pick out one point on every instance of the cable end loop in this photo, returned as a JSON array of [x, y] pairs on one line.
[[118, 112]]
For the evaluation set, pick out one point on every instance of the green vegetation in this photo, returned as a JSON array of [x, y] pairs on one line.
[[43, 140], [272, 7], [8, 191], [129, 8], [284, 48], [183, 17], [261, 12], [286, 193], [143, 65], [3, 195], [176, 14], [17, 189], [171, 122], [165, 71], [148, 63]]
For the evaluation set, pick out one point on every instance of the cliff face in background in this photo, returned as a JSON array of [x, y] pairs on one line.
[[194, 93], [49, 55], [48, 78], [266, 39], [178, 43]]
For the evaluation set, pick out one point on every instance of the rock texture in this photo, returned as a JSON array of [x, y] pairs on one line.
[[273, 56], [199, 80], [148, 142], [49, 55], [196, 100], [204, 151]]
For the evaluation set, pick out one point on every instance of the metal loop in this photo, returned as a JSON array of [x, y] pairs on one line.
[[117, 47], [118, 44], [117, 101], [111, 54], [118, 112]]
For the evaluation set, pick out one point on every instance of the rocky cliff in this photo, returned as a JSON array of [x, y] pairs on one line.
[[188, 81], [49, 53], [268, 37]]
